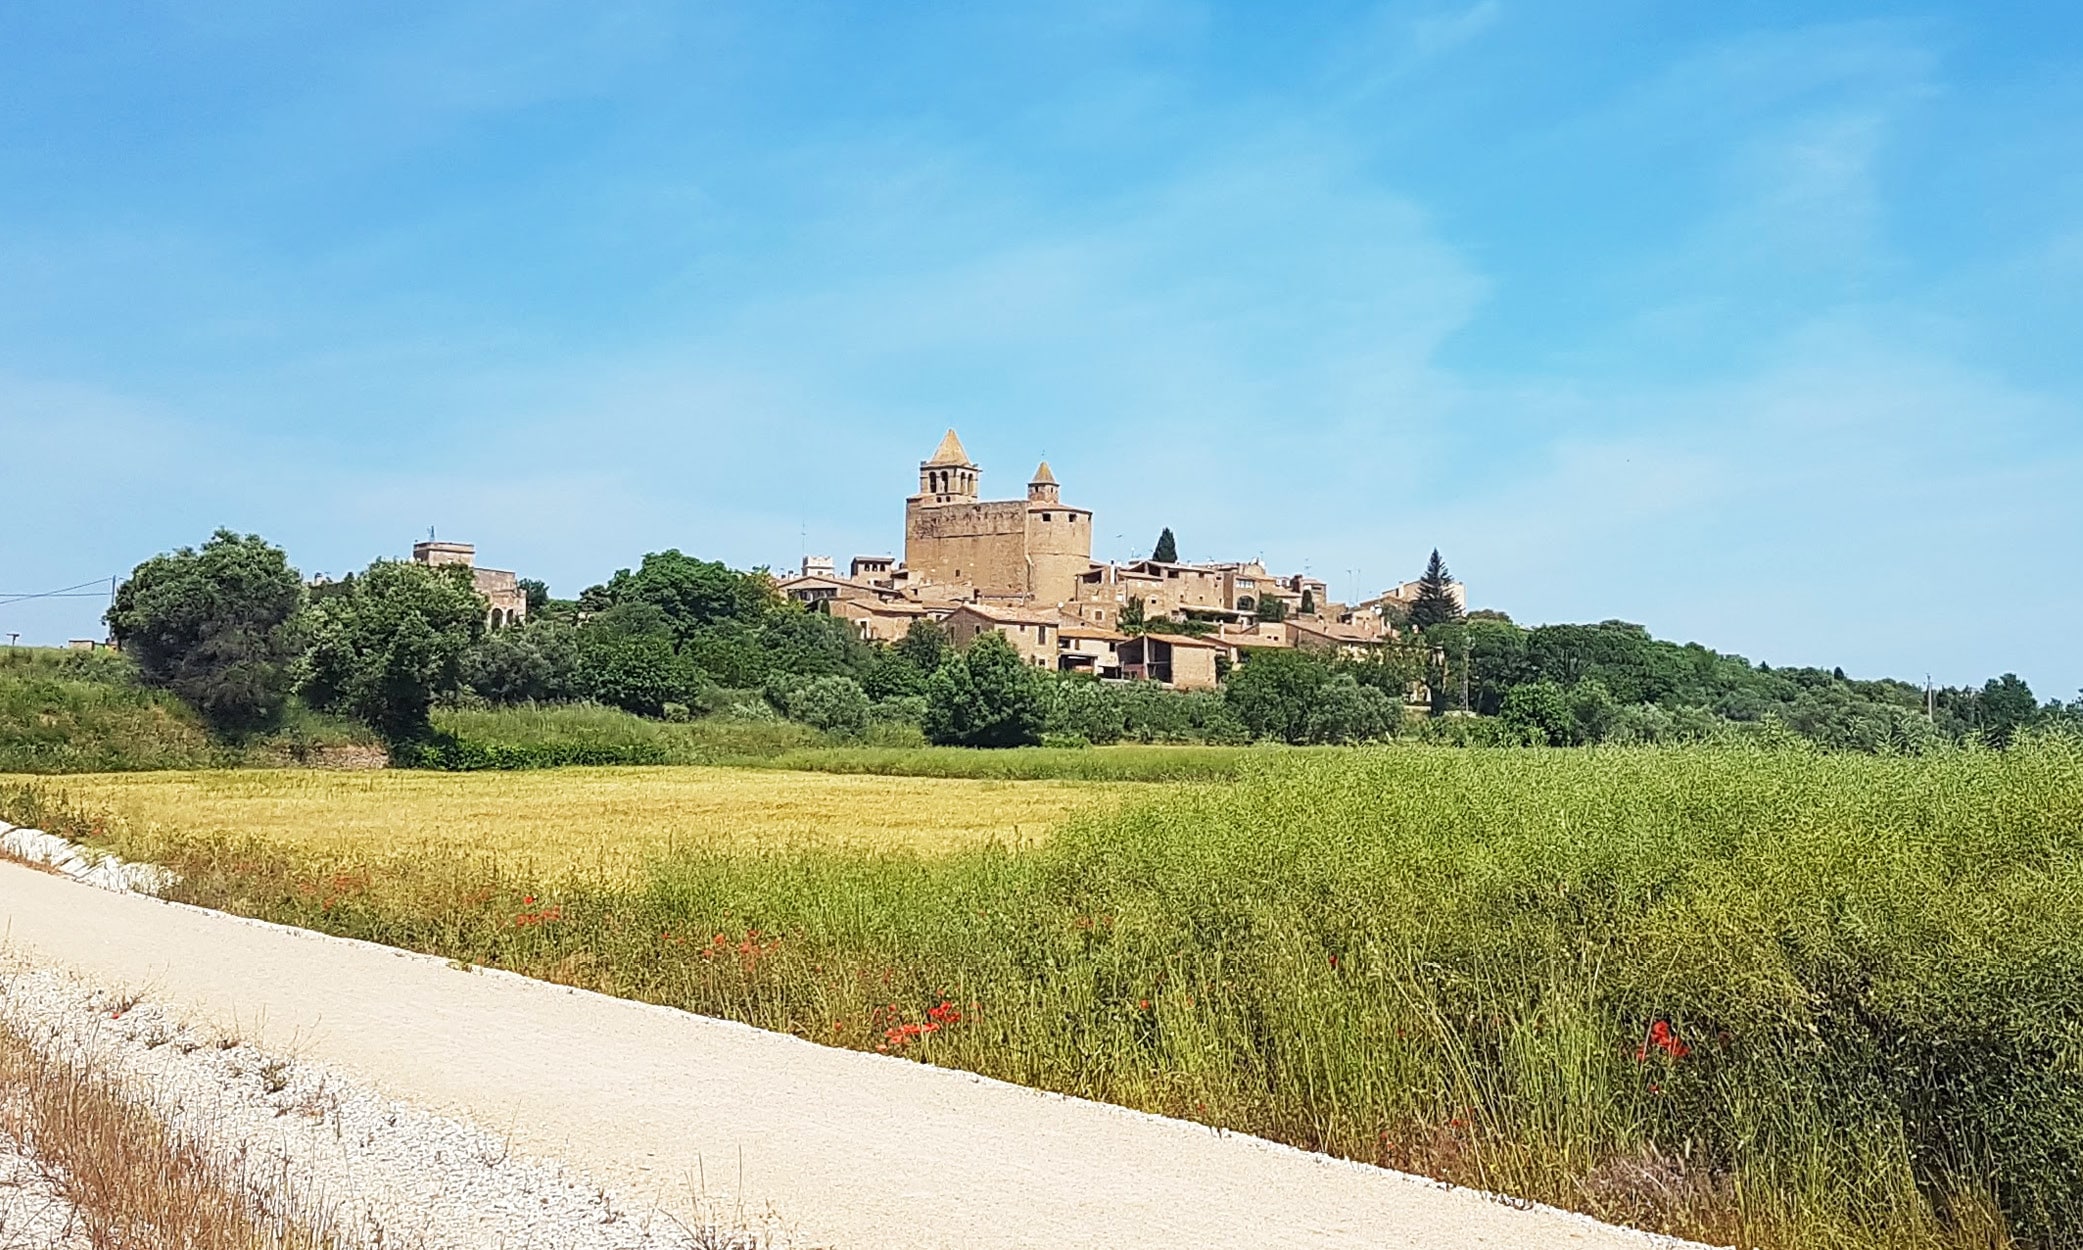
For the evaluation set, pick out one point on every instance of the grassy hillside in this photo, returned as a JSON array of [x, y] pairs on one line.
[[1782, 1000], [85, 712]]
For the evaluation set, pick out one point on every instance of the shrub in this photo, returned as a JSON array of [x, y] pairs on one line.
[[638, 673], [835, 705], [1086, 709], [1274, 692], [1539, 710], [540, 662], [1345, 711], [986, 696]]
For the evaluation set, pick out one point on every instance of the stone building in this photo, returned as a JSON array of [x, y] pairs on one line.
[[1033, 632], [1174, 660], [1030, 550], [507, 603]]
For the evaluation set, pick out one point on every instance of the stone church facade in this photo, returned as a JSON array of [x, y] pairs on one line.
[[1030, 550]]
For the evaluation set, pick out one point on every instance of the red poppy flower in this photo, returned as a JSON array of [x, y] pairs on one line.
[[1664, 1038]]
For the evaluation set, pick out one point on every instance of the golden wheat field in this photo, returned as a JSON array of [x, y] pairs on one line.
[[584, 818]]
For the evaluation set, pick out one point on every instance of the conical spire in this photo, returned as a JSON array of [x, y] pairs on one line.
[[950, 451], [1043, 475]]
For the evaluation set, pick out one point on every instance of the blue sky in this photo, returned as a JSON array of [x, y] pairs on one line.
[[1753, 323]]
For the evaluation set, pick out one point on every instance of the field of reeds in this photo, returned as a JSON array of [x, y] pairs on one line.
[[1772, 999]]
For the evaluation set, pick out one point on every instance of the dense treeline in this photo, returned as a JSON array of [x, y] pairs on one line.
[[231, 630], [1612, 682]]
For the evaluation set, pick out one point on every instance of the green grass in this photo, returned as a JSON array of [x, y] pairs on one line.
[[1437, 959], [591, 734], [85, 712], [1110, 763], [74, 711]]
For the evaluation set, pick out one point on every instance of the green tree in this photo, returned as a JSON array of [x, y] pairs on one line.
[[1131, 619], [1308, 602], [2006, 706], [638, 672], [1084, 707], [219, 627], [1271, 608], [692, 594], [1592, 711], [923, 646], [833, 704], [814, 644], [1273, 692], [538, 593], [985, 697], [1167, 548], [1497, 661], [1435, 603], [384, 650], [1344, 711], [901, 669], [536, 663], [731, 653], [1541, 711]]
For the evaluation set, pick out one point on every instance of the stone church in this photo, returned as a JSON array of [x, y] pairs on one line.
[[1030, 550]]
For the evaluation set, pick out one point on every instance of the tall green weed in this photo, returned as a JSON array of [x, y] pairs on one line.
[[1782, 998]]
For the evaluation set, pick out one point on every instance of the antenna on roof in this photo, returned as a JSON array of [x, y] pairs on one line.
[[430, 533]]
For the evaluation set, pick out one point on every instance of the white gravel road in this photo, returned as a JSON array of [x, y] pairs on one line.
[[673, 1111], [380, 1172]]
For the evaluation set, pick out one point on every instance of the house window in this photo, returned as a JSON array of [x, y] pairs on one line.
[[1045, 517]]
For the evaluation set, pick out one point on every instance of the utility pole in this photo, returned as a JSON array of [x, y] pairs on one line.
[[1930, 701], [1464, 670]]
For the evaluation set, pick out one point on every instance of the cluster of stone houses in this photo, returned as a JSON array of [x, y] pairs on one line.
[[1023, 569]]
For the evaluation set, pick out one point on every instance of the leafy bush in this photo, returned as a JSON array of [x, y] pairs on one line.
[[836, 705], [1346, 712], [391, 642], [1274, 693], [218, 627], [1541, 711], [638, 673], [539, 662], [1086, 709], [986, 696]]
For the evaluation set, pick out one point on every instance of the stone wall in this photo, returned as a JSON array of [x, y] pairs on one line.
[[984, 544]]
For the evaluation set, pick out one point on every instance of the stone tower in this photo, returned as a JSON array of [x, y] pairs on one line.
[[1019, 550], [1059, 541], [948, 477]]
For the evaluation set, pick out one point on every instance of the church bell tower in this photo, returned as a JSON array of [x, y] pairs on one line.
[[948, 477]]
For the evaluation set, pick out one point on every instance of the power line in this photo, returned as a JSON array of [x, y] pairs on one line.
[[69, 592]]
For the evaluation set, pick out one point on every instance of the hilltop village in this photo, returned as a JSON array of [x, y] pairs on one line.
[[1023, 569]]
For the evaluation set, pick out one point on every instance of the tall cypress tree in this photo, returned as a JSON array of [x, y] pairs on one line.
[[1435, 603], [1167, 548]]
